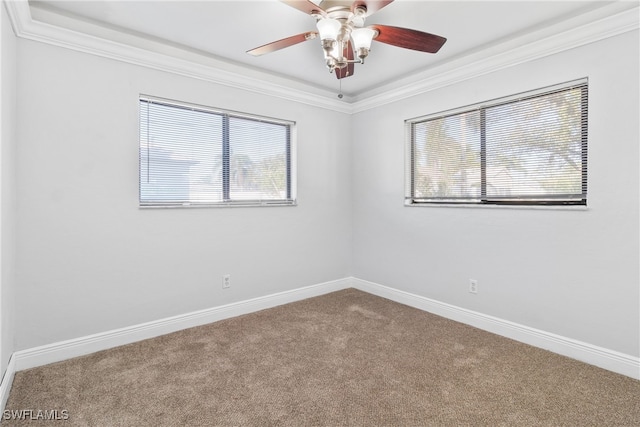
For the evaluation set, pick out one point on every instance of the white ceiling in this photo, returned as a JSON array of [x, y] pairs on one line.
[[225, 30]]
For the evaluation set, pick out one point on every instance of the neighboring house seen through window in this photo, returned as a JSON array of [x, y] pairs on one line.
[[196, 156]]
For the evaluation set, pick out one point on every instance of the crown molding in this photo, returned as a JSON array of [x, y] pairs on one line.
[[177, 61], [603, 23], [616, 18]]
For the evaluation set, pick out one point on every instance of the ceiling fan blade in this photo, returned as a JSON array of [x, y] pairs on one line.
[[372, 5], [347, 71], [305, 6], [281, 44], [408, 39]]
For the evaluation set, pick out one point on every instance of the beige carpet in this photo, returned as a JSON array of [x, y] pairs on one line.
[[346, 358]]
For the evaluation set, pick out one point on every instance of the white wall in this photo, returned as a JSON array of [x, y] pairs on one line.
[[573, 273], [7, 188], [89, 260]]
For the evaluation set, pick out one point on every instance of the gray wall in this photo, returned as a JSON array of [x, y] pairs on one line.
[[7, 188], [89, 260], [573, 273]]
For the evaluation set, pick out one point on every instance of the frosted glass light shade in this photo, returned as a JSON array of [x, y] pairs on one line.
[[328, 28], [362, 38]]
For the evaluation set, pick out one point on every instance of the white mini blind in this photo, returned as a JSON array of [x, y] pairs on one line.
[[528, 149], [194, 156]]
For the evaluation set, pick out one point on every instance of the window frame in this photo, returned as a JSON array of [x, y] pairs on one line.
[[290, 158], [483, 200]]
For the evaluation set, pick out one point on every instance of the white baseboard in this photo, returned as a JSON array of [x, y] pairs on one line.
[[7, 382], [608, 359], [604, 358], [55, 352]]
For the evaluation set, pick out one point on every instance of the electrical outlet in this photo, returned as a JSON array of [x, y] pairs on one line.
[[226, 281], [473, 286]]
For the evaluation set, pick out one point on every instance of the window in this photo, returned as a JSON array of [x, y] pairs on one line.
[[529, 149], [196, 156]]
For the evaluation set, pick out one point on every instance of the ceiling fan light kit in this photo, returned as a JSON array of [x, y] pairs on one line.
[[338, 29], [344, 37], [362, 38]]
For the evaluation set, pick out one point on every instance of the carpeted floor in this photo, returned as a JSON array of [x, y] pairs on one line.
[[342, 359]]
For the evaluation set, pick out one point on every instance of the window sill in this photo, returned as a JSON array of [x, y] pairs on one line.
[[221, 205], [512, 207]]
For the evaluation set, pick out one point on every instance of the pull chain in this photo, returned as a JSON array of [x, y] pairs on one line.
[[340, 95]]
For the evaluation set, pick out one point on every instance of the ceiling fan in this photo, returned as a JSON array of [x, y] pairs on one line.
[[341, 29]]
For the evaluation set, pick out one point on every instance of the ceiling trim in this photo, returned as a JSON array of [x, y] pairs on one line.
[[189, 64], [603, 23], [607, 21]]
